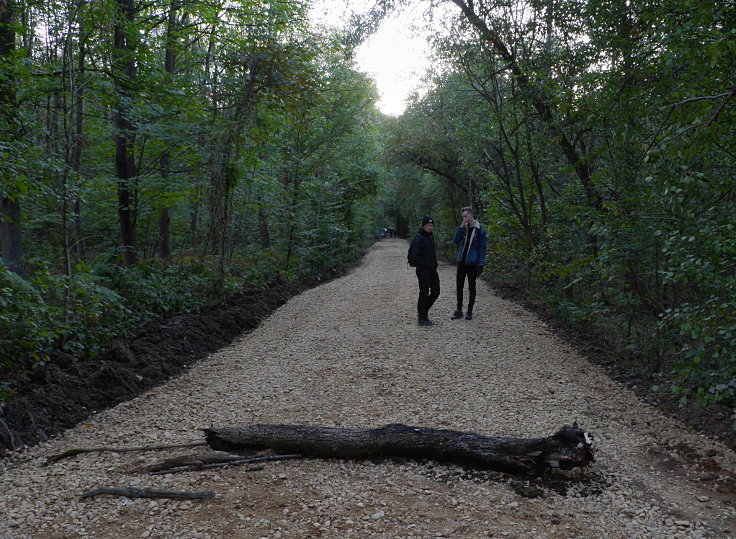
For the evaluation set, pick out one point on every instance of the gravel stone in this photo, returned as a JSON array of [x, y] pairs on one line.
[[349, 353]]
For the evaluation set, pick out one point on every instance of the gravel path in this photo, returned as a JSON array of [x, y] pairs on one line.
[[349, 353]]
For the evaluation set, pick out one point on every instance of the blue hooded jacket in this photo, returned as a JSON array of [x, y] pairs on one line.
[[478, 243]]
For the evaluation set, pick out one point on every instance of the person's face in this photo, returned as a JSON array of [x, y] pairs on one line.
[[467, 217], [428, 227]]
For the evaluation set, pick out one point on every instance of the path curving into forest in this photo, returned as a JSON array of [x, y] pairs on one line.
[[349, 353]]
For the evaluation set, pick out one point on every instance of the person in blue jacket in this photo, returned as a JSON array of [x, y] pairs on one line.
[[471, 258]]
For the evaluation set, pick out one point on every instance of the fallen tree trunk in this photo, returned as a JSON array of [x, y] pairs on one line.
[[570, 447]]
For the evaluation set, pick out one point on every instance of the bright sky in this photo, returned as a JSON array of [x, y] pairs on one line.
[[396, 56]]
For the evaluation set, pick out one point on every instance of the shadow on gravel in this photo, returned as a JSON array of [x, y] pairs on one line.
[[579, 483], [67, 390], [713, 421]]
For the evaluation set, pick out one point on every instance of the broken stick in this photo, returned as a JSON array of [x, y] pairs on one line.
[[81, 450], [197, 463], [570, 447], [134, 492]]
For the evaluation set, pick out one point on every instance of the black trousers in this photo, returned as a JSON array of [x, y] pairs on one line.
[[429, 291], [471, 272]]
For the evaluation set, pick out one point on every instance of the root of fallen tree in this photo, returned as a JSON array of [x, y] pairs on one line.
[[569, 447]]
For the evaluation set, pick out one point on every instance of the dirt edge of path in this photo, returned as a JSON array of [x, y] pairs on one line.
[[714, 421], [64, 392], [67, 390]]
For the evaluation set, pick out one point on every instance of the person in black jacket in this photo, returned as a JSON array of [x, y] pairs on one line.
[[423, 255]]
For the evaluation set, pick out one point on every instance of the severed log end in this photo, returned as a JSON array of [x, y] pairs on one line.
[[570, 447]]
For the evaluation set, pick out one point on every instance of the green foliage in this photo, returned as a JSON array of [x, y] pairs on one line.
[[603, 168], [705, 319], [49, 312], [25, 334], [85, 316], [154, 289], [253, 151]]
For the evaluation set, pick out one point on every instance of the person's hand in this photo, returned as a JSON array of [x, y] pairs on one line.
[[478, 271]]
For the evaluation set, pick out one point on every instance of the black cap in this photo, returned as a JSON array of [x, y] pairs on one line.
[[426, 220]]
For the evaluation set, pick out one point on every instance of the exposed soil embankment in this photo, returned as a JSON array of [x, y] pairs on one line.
[[66, 390]]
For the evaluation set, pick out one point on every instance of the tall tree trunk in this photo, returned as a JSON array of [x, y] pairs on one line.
[[193, 221], [537, 178], [472, 195], [10, 213], [77, 89], [220, 194], [164, 243], [263, 228], [291, 240], [10, 230], [124, 72]]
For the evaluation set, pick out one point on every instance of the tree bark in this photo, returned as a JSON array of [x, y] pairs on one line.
[[10, 230], [164, 219], [570, 447], [10, 213], [78, 136], [263, 227], [125, 73], [163, 245]]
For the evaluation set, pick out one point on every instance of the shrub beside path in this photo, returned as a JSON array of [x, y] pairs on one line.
[[349, 353]]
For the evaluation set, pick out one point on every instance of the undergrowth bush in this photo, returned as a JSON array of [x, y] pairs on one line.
[[47, 312], [665, 299], [702, 261], [153, 288], [82, 313], [26, 334]]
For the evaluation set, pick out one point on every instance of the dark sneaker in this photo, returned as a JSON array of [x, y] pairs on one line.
[[457, 315], [425, 322], [469, 315]]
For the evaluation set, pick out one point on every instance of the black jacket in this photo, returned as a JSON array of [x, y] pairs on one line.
[[422, 251]]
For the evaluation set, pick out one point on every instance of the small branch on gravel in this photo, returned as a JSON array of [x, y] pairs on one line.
[[569, 448], [133, 492], [74, 452], [193, 461], [10, 435], [208, 461]]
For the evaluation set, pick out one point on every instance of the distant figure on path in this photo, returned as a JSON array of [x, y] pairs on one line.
[[423, 256], [471, 257]]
